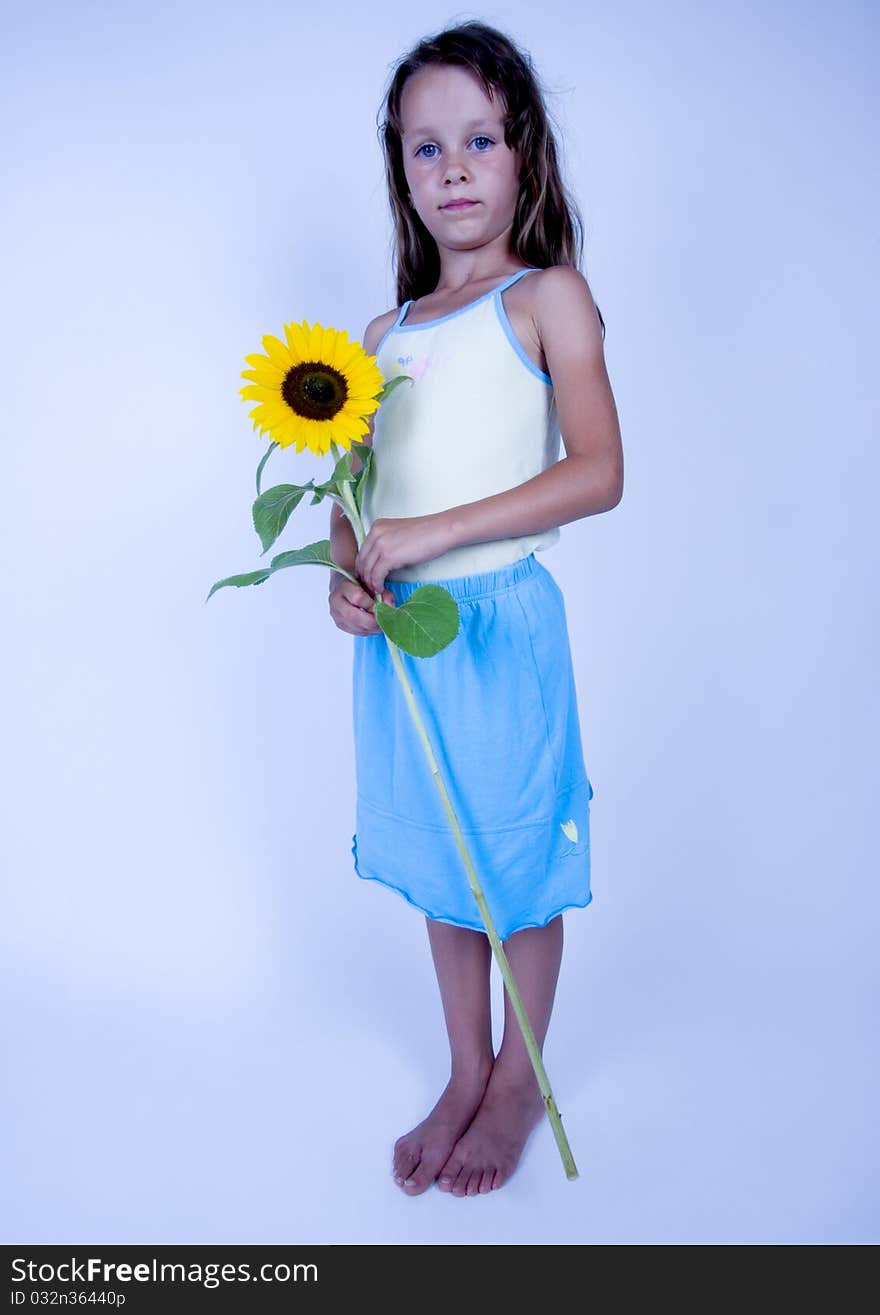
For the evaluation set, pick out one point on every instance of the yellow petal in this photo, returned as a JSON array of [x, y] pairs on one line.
[[277, 351]]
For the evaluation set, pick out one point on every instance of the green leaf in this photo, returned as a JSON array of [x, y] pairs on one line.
[[341, 475], [365, 450], [314, 554], [362, 450], [252, 577], [272, 510], [366, 454], [424, 624], [390, 384]]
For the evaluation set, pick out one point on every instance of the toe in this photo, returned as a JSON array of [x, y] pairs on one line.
[[419, 1180], [405, 1146], [486, 1180], [461, 1182], [423, 1171], [449, 1173], [473, 1185], [405, 1161]]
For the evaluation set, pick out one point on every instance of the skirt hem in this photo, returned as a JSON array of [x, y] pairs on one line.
[[456, 922]]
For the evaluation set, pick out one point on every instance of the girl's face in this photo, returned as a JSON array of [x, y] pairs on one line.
[[454, 148]]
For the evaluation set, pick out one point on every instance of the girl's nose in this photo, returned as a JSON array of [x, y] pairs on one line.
[[455, 172]]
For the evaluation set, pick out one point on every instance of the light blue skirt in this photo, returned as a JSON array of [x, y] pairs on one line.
[[500, 709]]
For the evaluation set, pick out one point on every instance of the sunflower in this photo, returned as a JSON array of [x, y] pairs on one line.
[[314, 390]]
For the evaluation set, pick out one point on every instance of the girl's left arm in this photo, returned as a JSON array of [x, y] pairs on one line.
[[589, 478]]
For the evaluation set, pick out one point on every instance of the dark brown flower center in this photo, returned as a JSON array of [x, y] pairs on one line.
[[315, 390]]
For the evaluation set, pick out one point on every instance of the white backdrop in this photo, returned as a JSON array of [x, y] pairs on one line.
[[214, 1029]]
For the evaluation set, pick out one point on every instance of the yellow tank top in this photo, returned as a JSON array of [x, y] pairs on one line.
[[479, 418]]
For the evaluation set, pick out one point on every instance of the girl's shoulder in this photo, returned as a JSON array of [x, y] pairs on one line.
[[377, 328], [539, 302], [552, 298], [373, 335], [551, 285]]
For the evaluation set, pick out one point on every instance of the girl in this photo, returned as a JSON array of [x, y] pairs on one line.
[[500, 334]]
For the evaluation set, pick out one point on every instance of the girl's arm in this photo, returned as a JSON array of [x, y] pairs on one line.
[[343, 544]]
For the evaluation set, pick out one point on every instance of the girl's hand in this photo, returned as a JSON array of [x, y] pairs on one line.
[[353, 609], [395, 541]]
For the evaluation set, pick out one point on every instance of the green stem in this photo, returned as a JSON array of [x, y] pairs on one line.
[[476, 889]]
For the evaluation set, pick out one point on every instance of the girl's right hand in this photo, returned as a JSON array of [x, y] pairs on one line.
[[352, 607]]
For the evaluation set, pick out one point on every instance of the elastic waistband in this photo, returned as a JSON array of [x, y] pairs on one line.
[[483, 584]]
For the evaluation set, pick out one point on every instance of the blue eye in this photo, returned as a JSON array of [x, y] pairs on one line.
[[480, 138]]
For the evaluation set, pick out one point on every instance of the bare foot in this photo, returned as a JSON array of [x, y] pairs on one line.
[[489, 1150], [419, 1154]]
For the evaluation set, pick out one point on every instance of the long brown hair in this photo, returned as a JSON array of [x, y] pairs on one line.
[[547, 226]]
